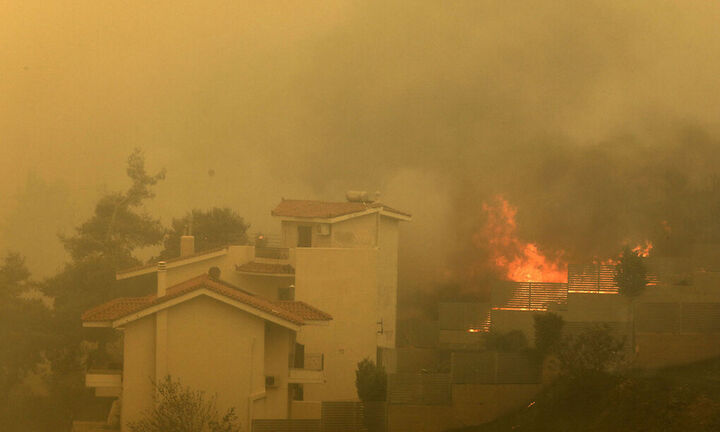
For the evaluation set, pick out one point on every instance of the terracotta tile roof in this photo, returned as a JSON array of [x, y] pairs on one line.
[[116, 308], [266, 268], [327, 210], [154, 263], [304, 310], [122, 307]]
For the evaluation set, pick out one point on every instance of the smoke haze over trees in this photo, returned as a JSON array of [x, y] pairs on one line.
[[597, 120]]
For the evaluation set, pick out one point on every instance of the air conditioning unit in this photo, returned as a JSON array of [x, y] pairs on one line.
[[270, 381], [322, 229]]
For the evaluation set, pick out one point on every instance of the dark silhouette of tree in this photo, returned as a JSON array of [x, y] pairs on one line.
[[370, 381], [100, 246], [594, 351], [24, 323], [119, 225], [548, 332], [24, 333], [630, 273], [212, 228]]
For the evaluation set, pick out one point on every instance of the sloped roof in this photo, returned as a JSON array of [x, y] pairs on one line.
[[328, 210], [152, 266], [265, 268], [294, 312]]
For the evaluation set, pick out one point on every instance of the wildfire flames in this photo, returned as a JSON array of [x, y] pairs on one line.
[[643, 250], [517, 260]]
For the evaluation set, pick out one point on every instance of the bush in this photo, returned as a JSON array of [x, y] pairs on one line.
[[177, 408], [548, 332]]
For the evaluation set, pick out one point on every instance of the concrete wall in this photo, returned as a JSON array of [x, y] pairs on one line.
[[667, 349], [597, 308], [236, 255], [473, 404], [387, 277], [264, 286], [305, 409], [138, 369], [342, 282], [354, 232], [278, 347], [503, 321]]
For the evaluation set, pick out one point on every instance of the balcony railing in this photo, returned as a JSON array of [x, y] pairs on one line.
[[307, 368]]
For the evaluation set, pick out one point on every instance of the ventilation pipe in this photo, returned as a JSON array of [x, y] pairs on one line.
[[161, 278]]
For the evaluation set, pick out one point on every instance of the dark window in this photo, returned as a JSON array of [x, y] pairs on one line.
[[286, 293], [296, 391], [304, 236], [299, 362]]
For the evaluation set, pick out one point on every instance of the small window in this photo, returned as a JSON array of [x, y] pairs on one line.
[[296, 391], [304, 236], [286, 293]]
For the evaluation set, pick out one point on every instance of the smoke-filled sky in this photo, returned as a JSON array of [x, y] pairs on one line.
[[594, 118]]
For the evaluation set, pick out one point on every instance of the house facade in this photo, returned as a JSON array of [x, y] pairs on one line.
[[340, 257], [213, 337]]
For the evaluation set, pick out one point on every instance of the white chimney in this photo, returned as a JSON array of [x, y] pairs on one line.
[[161, 278], [187, 245]]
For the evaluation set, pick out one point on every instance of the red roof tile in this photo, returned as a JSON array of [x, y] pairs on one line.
[[304, 310], [123, 307], [266, 268], [327, 210], [154, 262]]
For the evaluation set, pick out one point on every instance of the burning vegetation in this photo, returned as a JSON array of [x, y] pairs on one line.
[[515, 259]]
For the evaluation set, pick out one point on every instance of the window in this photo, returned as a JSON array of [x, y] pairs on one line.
[[304, 236], [286, 293]]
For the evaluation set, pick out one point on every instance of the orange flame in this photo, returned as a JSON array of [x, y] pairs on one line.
[[517, 260], [643, 250]]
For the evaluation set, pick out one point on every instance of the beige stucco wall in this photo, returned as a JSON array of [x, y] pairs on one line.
[[138, 368], [387, 274], [342, 282], [216, 348], [212, 347], [278, 347], [358, 231]]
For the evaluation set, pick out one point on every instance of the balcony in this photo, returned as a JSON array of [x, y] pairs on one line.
[[106, 382], [104, 374], [308, 368]]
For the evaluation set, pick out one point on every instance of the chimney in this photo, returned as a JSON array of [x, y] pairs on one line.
[[187, 245], [161, 278]]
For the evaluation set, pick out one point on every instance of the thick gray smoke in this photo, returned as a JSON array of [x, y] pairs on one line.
[[597, 120]]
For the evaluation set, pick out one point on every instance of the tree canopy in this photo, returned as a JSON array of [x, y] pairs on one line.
[[212, 228], [370, 381], [630, 273], [119, 225]]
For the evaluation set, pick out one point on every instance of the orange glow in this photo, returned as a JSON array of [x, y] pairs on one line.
[[474, 330], [517, 260], [643, 250]]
